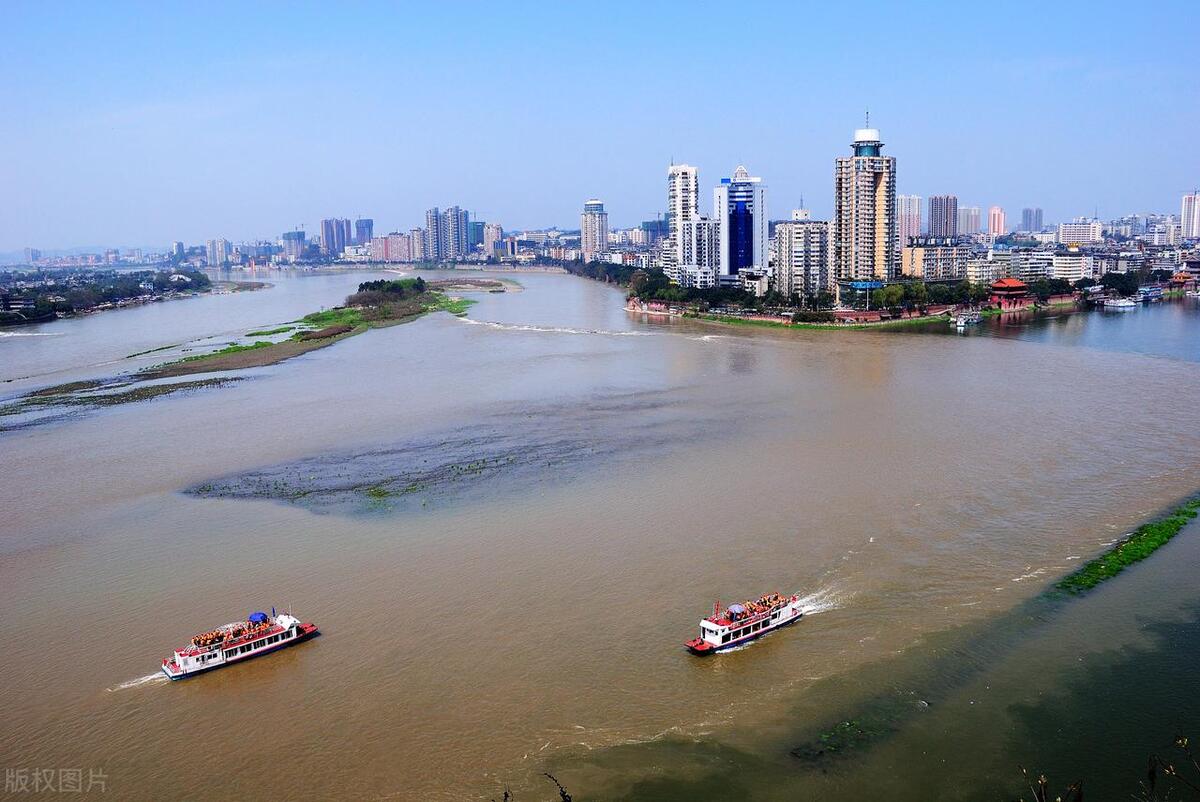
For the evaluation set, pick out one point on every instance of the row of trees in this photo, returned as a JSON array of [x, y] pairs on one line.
[[80, 293], [651, 284]]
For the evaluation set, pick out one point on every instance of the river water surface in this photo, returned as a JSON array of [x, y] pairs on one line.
[[589, 482]]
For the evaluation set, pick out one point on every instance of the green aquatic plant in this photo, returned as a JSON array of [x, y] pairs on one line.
[[1132, 549], [269, 332]]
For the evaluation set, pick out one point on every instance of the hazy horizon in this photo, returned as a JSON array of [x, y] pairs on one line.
[[131, 126]]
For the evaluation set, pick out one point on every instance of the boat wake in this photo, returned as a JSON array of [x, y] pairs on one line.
[[553, 329], [157, 676], [30, 333], [821, 601]]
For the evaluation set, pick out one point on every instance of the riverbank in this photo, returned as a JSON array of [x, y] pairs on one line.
[[883, 325]]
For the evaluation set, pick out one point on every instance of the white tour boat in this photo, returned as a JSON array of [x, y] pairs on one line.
[[1119, 303], [742, 623], [232, 643]]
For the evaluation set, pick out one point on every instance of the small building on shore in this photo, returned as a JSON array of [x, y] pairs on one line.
[[1183, 280], [1010, 294]]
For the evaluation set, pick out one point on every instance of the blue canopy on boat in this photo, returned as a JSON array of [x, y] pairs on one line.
[[736, 608], [258, 618]]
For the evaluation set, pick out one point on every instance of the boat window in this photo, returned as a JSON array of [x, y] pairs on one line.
[[725, 638]]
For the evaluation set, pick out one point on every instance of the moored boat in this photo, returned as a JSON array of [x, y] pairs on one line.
[[1119, 303], [742, 623], [235, 642]]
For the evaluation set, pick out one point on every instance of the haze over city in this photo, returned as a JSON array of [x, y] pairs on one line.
[[140, 125]]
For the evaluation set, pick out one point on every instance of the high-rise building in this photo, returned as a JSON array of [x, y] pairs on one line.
[[493, 238], [293, 244], [437, 244], [943, 216], [1189, 216], [699, 240], [457, 223], [864, 232], [416, 245], [908, 217], [683, 204], [996, 225], [335, 235], [217, 252], [177, 249], [1031, 220], [364, 229], [969, 220], [740, 209], [32, 255], [475, 234], [802, 255], [593, 229]]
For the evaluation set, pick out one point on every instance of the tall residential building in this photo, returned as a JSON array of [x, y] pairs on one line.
[[1189, 216], [740, 209], [699, 240], [802, 255], [943, 216], [217, 251], [176, 249], [865, 240], [593, 229], [969, 220], [293, 244], [457, 223], [908, 217], [335, 235], [437, 245], [683, 204], [364, 229], [416, 245], [1031, 220], [493, 238], [996, 224]]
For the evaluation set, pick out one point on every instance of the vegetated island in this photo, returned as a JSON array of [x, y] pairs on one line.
[[376, 304]]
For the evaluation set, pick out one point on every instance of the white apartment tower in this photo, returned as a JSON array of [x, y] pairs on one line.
[[683, 204], [593, 229], [1189, 216], [865, 239], [802, 256], [908, 217]]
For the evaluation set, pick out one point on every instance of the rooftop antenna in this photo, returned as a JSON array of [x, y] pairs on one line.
[[868, 125]]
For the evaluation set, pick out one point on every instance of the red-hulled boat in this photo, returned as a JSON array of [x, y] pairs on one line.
[[742, 623], [232, 643]]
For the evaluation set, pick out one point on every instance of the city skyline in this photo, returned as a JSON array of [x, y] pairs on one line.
[[185, 141]]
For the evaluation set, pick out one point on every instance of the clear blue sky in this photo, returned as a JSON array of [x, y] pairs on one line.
[[141, 124]]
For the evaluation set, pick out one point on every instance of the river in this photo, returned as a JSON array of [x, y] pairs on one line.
[[920, 490]]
